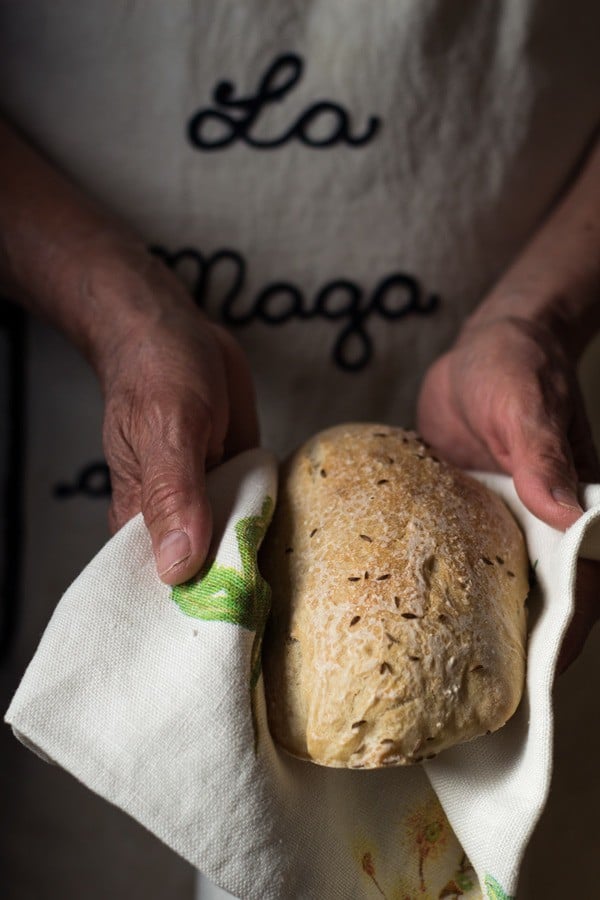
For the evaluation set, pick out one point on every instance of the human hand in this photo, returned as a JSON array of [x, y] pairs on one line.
[[178, 400], [177, 388], [506, 398]]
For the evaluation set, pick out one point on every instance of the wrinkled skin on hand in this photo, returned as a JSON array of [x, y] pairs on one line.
[[178, 400], [505, 398]]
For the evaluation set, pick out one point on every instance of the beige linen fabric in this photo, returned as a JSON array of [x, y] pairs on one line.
[[151, 708]]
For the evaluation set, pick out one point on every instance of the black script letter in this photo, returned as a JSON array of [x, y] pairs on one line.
[[92, 481], [205, 268], [341, 130], [354, 333], [249, 108], [238, 115], [408, 295], [276, 313]]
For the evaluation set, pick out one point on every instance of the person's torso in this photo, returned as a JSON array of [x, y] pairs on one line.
[[339, 182]]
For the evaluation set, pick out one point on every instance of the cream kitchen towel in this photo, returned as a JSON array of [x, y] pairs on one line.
[[153, 698]]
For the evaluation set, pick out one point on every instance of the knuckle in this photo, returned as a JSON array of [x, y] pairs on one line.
[[125, 495], [176, 420], [164, 498], [544, 435], [553, 460]]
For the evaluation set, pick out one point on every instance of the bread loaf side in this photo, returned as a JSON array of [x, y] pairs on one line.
[[398, 621]]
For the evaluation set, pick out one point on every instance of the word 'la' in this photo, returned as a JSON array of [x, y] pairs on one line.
[[237, 116]]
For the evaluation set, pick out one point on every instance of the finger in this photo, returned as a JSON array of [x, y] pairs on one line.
[[243, 429], [173, 493], [440, 424], [466, 451], [543, 470]]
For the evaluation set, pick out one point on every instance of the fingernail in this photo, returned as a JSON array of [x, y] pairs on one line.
[[567, 498], [174, 549]]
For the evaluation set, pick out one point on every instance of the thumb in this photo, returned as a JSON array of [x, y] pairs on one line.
[[174, 501], [544, 473]]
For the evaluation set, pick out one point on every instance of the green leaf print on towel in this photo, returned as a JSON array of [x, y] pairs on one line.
[[222, 594], [494, 891]]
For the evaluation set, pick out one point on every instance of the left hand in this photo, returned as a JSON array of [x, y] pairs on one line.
[[505, 398]]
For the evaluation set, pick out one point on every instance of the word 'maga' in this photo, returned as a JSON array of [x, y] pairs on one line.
[[341, 300]]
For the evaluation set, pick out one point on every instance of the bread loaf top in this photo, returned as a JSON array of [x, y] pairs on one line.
[[398, 623]]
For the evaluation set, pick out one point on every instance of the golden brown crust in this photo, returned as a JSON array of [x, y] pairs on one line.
[[398, 621]]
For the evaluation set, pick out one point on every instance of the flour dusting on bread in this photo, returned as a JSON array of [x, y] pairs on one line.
[[399, 583]]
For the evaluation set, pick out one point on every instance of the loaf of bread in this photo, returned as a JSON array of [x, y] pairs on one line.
[[398, 621]]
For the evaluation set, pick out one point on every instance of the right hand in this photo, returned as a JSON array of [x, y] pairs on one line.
[[505, 397], [178, 400]]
